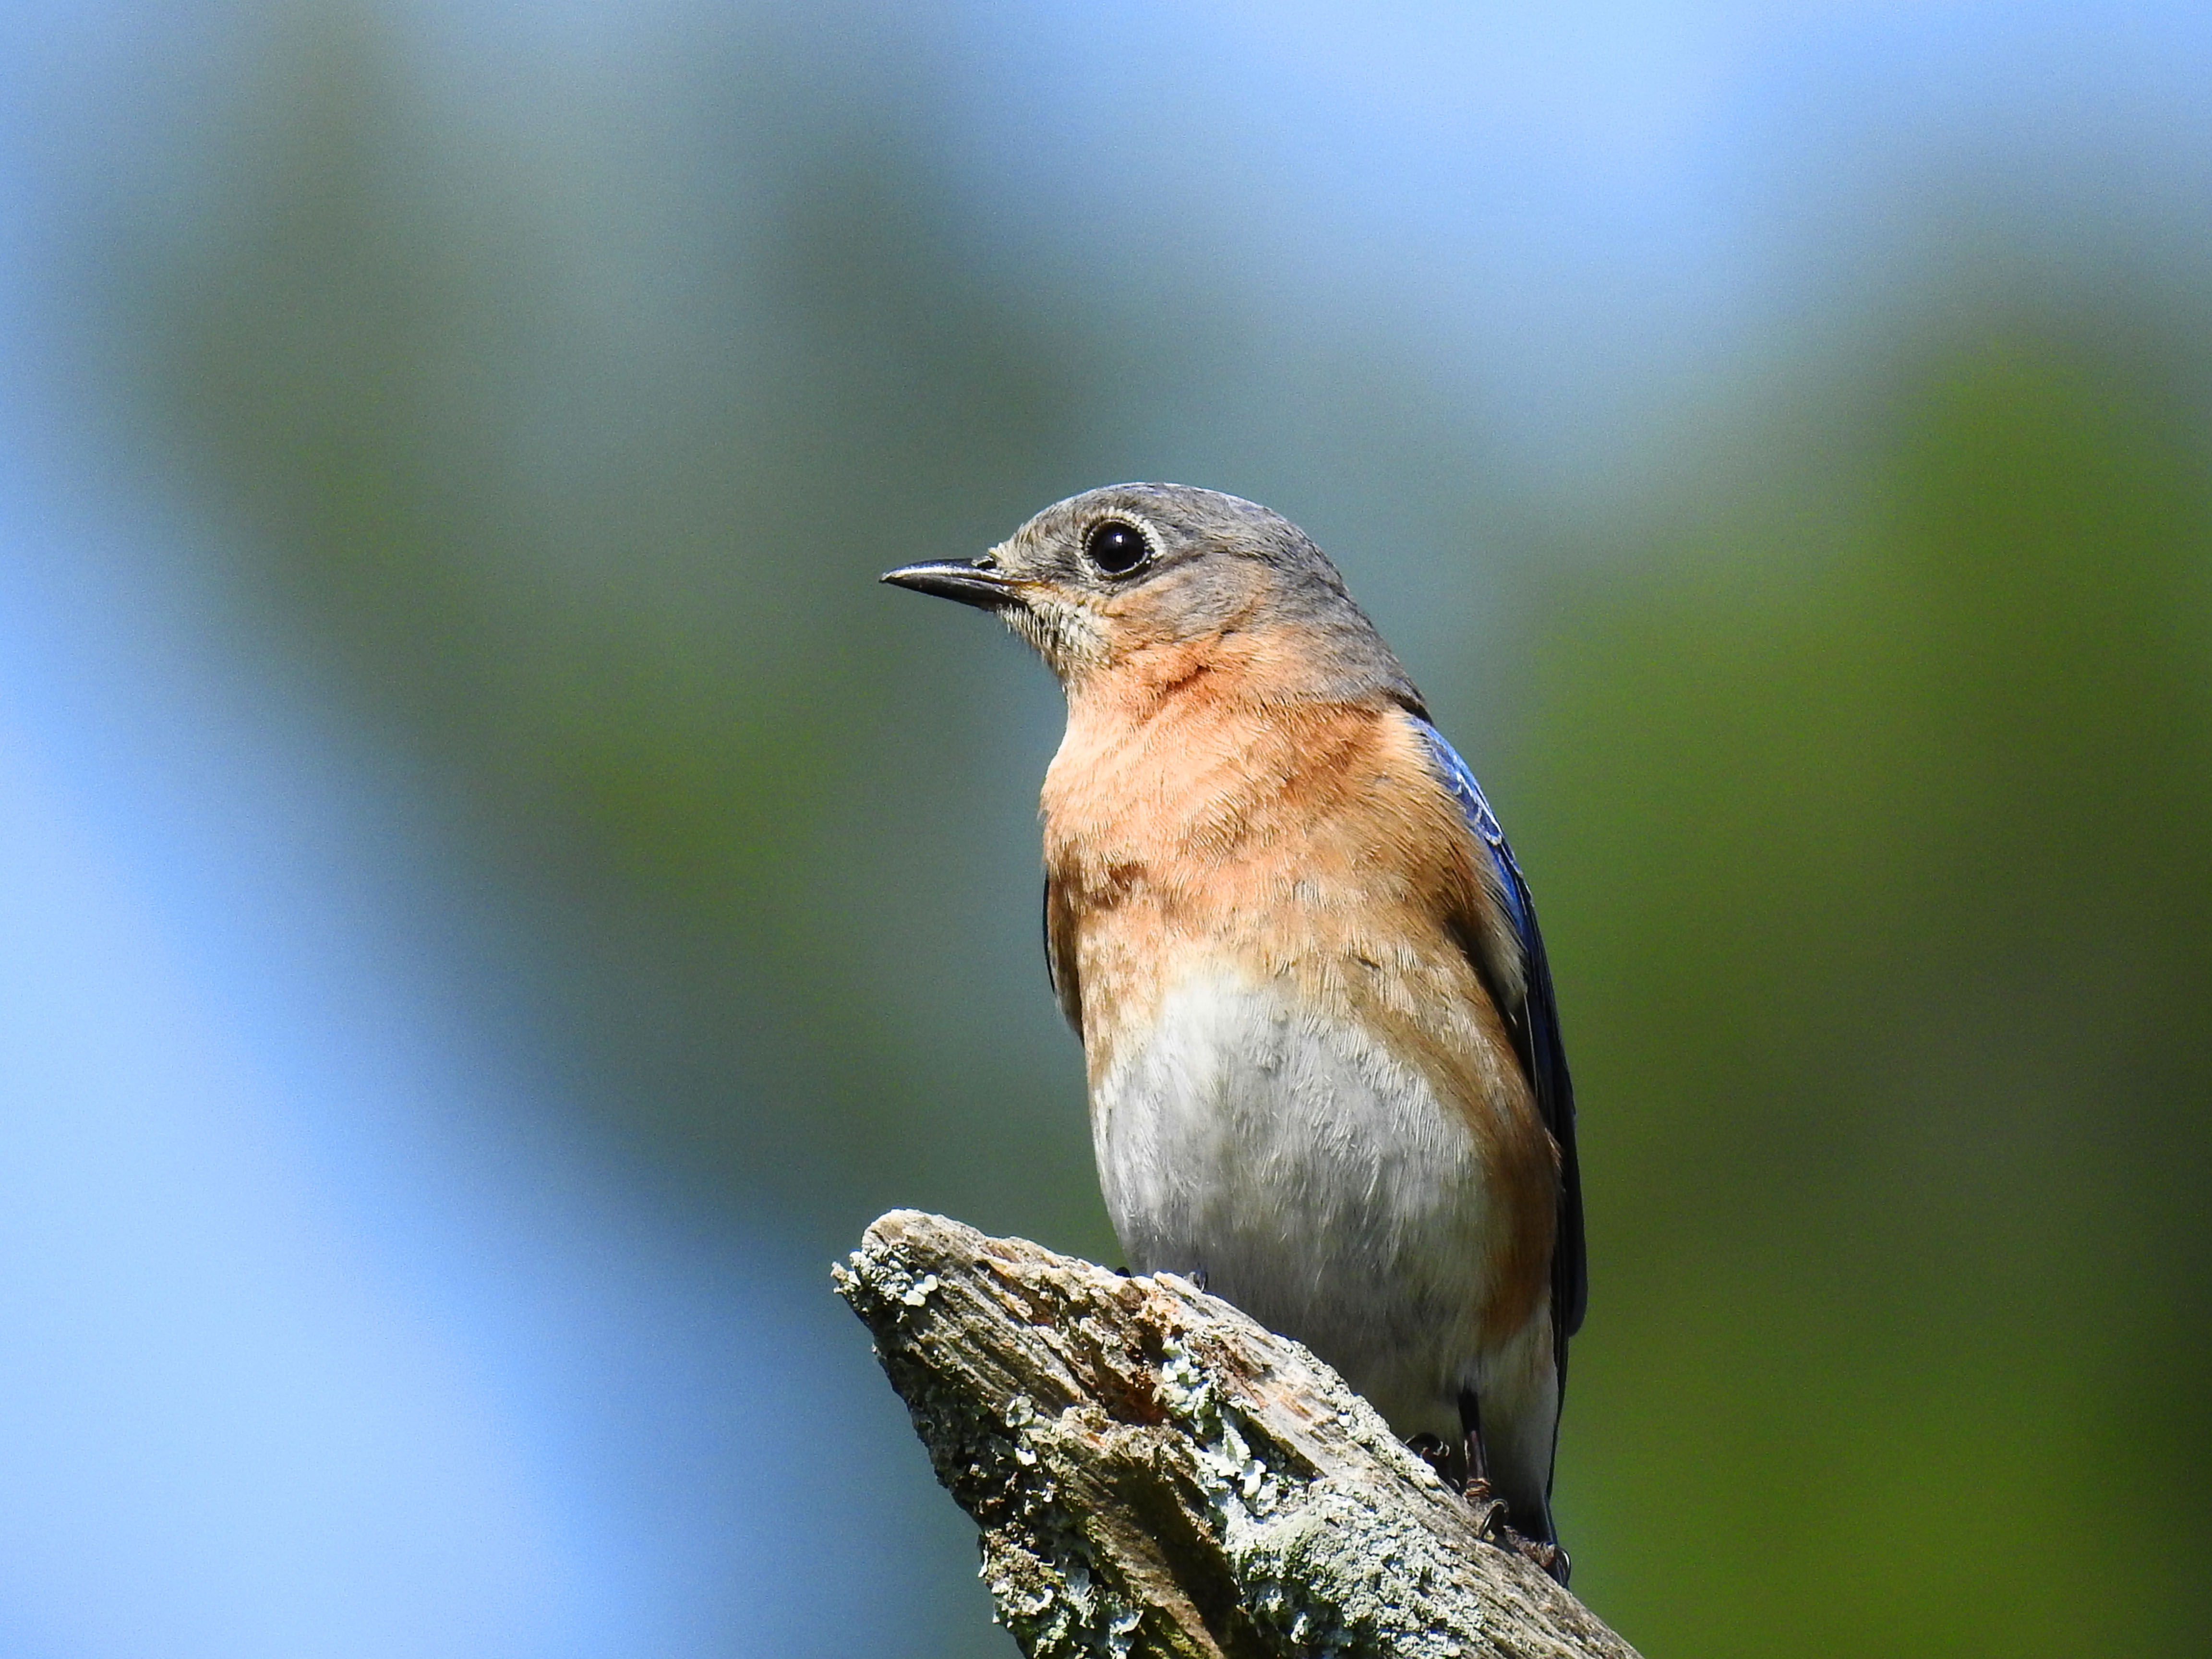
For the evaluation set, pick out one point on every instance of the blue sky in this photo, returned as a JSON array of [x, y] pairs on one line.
[[1587, 213], [310, 1343], [1591, 210]]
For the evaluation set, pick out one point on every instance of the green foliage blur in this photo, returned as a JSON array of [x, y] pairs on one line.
[[1863, 781], [1875, 809]]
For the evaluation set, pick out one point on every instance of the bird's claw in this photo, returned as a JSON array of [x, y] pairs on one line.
[[1550, 1556], [1490, 1512], [1493, 1526], [1439, 1456]]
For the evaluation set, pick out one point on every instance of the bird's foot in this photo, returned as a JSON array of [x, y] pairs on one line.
[[1492, 1520], [1490, 1516], [1490, 1511], [1439, 1457], [1550, 1556], [1493, 1524]]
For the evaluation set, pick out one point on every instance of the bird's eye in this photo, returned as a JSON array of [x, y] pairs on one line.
[[1116, 548]]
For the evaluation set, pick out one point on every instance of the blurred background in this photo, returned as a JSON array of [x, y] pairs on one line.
[[495, 896]]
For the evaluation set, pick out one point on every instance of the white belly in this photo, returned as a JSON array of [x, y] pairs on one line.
[[1314, 1180]]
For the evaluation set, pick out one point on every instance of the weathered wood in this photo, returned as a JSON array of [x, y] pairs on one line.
[[1154, 1474]]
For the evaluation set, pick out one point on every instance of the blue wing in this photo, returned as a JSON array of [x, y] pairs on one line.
[[1534, 1024]]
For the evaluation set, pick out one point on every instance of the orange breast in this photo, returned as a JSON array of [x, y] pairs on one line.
[[1200, 825]]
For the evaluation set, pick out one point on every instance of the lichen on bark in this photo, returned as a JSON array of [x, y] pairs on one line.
[[1153, 1473]]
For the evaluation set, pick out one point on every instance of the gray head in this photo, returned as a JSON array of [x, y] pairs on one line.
[[1136, 578]]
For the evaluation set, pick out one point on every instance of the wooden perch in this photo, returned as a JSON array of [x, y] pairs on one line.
[[1156, 1475]]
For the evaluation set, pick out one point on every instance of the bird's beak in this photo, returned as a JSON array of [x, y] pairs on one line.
[[957, 578]]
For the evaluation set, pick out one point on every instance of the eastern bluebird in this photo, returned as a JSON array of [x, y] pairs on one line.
[[1325, 1070]]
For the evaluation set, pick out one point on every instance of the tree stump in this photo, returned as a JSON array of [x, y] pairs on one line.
[[1154, 1474]]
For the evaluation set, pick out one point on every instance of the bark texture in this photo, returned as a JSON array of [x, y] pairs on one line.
[[1154, 1474]]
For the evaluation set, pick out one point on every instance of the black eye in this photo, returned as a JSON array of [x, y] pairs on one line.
[[1116, 548]]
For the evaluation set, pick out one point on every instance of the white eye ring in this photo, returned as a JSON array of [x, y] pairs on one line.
[[1118, 547]]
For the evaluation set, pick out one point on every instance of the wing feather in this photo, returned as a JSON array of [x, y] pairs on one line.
[[1533, 1021], [1060, 955]]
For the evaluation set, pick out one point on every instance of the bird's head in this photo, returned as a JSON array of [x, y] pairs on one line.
[[1153, 582]]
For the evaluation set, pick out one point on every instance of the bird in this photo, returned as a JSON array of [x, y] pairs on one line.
[[1325, 1074]]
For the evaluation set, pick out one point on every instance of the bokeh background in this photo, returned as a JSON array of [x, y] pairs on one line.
[[495, 896]]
